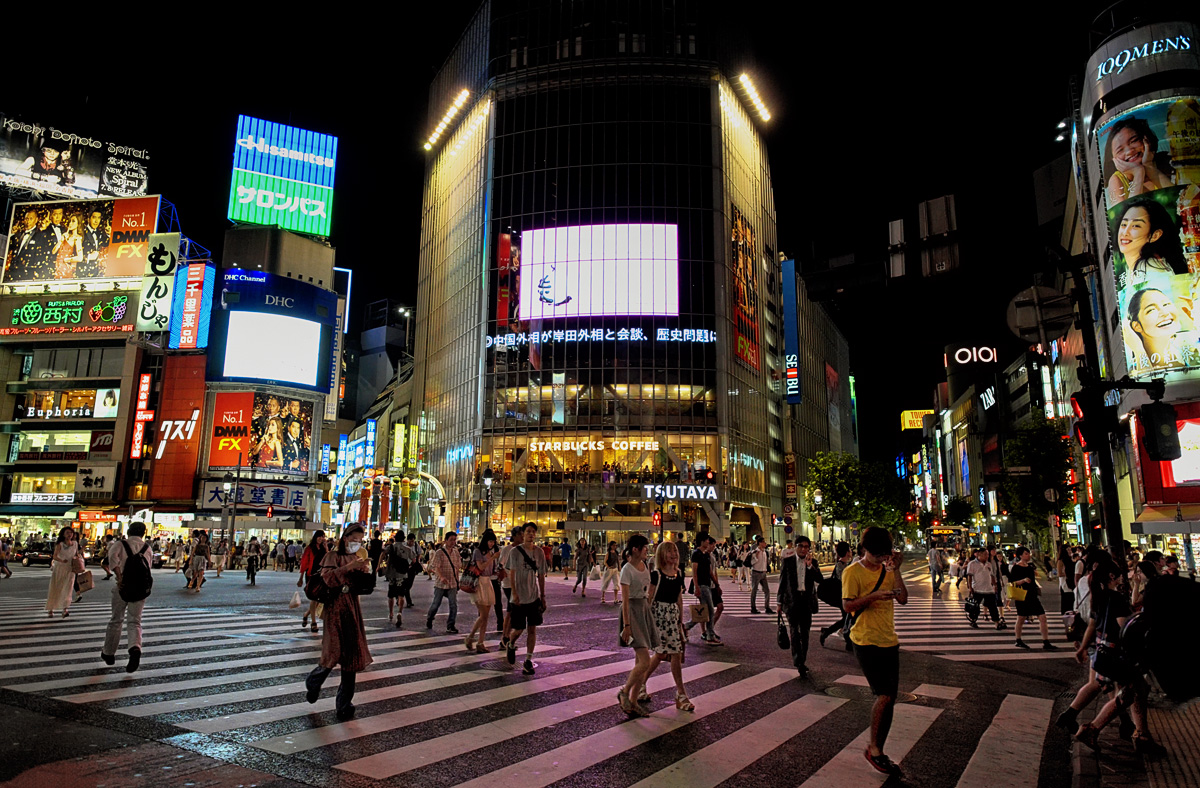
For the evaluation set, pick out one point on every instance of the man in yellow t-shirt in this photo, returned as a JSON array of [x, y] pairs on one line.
[[869, 589]]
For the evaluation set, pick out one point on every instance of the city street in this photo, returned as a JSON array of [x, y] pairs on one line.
[[219, 699]]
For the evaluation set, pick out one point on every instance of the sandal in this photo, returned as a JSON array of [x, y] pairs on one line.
[[481, 649], [682, 703], [314, 628], [470, 643], [643, 696], [1089, 736], [304, 621], [624, 702]]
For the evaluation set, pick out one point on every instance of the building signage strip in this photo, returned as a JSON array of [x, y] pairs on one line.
[[791, 336]]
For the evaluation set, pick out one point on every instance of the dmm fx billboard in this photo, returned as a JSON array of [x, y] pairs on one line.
[[261, 430], [282, 176], [791, 336]]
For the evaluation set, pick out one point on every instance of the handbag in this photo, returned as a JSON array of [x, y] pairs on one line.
[[77, 564], [829, 591], [971, 607], [84, 581], [468, 582], [699, 613], [781, 637], [1017, 593], [1113, 663]]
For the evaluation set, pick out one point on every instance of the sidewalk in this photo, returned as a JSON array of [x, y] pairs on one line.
[[1117, 766]]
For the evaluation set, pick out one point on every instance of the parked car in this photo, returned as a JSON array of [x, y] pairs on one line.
[[36, 553]]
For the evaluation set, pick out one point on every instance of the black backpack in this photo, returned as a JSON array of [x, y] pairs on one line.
[[136, 581], [399, 562]]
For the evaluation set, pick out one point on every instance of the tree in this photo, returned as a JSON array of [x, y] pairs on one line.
[[960, 510], [866, 492], [1042, 447]]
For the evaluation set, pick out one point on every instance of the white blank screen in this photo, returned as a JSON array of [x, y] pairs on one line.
[[267, 346]]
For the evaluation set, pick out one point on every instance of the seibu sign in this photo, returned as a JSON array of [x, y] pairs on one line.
[[620, 445], [673, 492]]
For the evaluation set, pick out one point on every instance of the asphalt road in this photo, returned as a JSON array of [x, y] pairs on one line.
[[218, 699]]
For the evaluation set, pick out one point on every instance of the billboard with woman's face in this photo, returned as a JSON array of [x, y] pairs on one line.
[[1150, 169]]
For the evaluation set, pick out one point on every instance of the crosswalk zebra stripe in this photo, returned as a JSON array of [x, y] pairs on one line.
[[69, 631], [1019, 656], [722, 759], [150, 640], [99, 620], [110, 676], [938, 691], [193, 702], [333, 734], [560, 762], [849, 768], [414, 756], [1009, 753]]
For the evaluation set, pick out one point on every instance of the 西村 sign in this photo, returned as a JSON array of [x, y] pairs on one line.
[[692, 492], [913, 419], [282, 176], [54, 314]]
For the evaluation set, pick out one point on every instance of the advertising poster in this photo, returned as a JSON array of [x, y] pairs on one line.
[[192, 308], [1150, 162], [269, 432], [745, 281], [158, 280], [46, 159], [179, 432], [791, 336], [833, 393], [71, 240]]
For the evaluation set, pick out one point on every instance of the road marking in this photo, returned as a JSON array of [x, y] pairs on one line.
[[1010, 751], [415, 756], [1020, 656], [938, 691], [712, 765], [333, 734], [150, 640], [851, 678], [561, 762], [849, 768]]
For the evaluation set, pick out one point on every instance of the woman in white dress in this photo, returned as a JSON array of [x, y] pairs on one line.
[[62, 574]]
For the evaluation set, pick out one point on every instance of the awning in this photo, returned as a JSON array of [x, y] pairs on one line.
[[35, 510], [1168, 519]]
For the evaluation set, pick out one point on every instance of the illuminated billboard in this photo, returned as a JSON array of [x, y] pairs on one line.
[[1150, 165], [154, 307], [191, 312], [69, 240], [599, 270], [745, 284], [282, 176], [791, 336], [266, 431], [54, 161], [56, 314], [272, 329]]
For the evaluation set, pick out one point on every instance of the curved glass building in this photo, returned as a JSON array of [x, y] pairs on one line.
[[600, 323]]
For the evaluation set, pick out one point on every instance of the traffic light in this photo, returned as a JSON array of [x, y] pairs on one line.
[[657, 520], [909, 517], [1094, 420], [1162, 431], [270, 510], [710, 476]]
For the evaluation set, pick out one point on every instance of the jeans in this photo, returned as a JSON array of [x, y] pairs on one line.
[[345, 692], [581, 573], [499, 605], [251, 567], [123, 613], [452, 595], [935, 573], [799, 618], [759, 578]]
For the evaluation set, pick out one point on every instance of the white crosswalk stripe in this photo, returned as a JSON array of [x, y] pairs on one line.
[[424, 701]]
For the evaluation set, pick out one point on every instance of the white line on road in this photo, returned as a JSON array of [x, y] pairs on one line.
[[1010, 751], [849, 768]]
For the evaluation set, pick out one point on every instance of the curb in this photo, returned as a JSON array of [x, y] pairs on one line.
[[1085, 767]]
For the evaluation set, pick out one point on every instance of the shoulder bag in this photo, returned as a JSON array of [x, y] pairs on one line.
[[781, 636], [853, 617]]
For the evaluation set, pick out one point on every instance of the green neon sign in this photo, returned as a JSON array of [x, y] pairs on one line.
[[264, 199]]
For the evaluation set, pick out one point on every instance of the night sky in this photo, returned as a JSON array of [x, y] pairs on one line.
[[870, 116]]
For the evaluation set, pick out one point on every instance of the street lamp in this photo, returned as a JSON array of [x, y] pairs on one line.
[[487, 507], [817, 499]]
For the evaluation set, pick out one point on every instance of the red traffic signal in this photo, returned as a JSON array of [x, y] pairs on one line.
[[909, 517], [270, 510], [710, 476], [657, 519]]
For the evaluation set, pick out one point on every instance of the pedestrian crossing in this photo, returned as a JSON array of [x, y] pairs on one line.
[[430, 714]]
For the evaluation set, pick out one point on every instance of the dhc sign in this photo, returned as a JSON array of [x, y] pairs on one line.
[[679, 492]]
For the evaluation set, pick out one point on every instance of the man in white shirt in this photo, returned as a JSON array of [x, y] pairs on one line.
[[122, 611], [758, 575], [506, 585], [981, 582]]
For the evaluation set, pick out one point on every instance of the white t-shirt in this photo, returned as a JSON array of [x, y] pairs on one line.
[[982, 577]]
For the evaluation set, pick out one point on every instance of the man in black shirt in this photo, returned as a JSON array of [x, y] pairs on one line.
[[797, 596], [703, 580]]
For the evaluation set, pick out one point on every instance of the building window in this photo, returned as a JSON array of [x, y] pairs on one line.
[[620, 42], [639, 42]]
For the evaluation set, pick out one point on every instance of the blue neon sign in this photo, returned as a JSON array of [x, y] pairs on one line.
[[371, 443], [325, 458], [343, 441], [791, 336], [269, 148]]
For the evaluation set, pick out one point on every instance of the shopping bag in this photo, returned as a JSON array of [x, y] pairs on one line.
[[297, 601], [699, 613], [594, 575], [84, 582], [1017, 594]]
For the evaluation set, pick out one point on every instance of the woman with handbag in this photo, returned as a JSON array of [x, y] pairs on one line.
[[310, 563], [666, 591], [67, 561], [1026, 594], [637, 626], [201, 555], [583, 565], [483, 567], [344, 641]]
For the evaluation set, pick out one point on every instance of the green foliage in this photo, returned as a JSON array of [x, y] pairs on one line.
[[1040, 445], [851, 489], [960, 510]]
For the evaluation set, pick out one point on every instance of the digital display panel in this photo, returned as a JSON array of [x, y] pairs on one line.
[[265, 346], [1150, 166], [282, 176], [265, 431], [70, 240], [599, 270], [191, 312], [745, 283]]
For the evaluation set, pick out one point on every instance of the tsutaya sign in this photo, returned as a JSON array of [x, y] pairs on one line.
[[1119, 61], [674, 492], [621, 445]]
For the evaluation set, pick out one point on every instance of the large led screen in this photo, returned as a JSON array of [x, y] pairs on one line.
[[261, 430], [1148, 164], [265, 346], [599, 270]]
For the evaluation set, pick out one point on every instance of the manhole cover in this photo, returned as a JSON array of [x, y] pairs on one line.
[[853, 692], [502, 665]]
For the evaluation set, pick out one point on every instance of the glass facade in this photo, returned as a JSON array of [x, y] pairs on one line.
[[581, 134]]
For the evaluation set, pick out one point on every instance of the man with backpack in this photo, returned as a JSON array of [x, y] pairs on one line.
[[400, 560], [129, 559]]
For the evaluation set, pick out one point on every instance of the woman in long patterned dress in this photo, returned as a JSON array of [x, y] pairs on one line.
[[62, 574]]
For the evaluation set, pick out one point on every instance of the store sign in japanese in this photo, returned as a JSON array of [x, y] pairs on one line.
[[18, 497], [397, 445], [95, 478], [53, 314], [370, 450], [255, 495], [282, 176], [324, 458], [154, 310], [535, 338], [192, 309], [340, 476], [142, 414]]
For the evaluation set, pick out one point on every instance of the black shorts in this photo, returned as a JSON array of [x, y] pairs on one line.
[[881, 667], [396, 592], [716, 596], [529, 615], [1031, 607]]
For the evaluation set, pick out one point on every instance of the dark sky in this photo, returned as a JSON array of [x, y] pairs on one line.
[[872, 113]]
